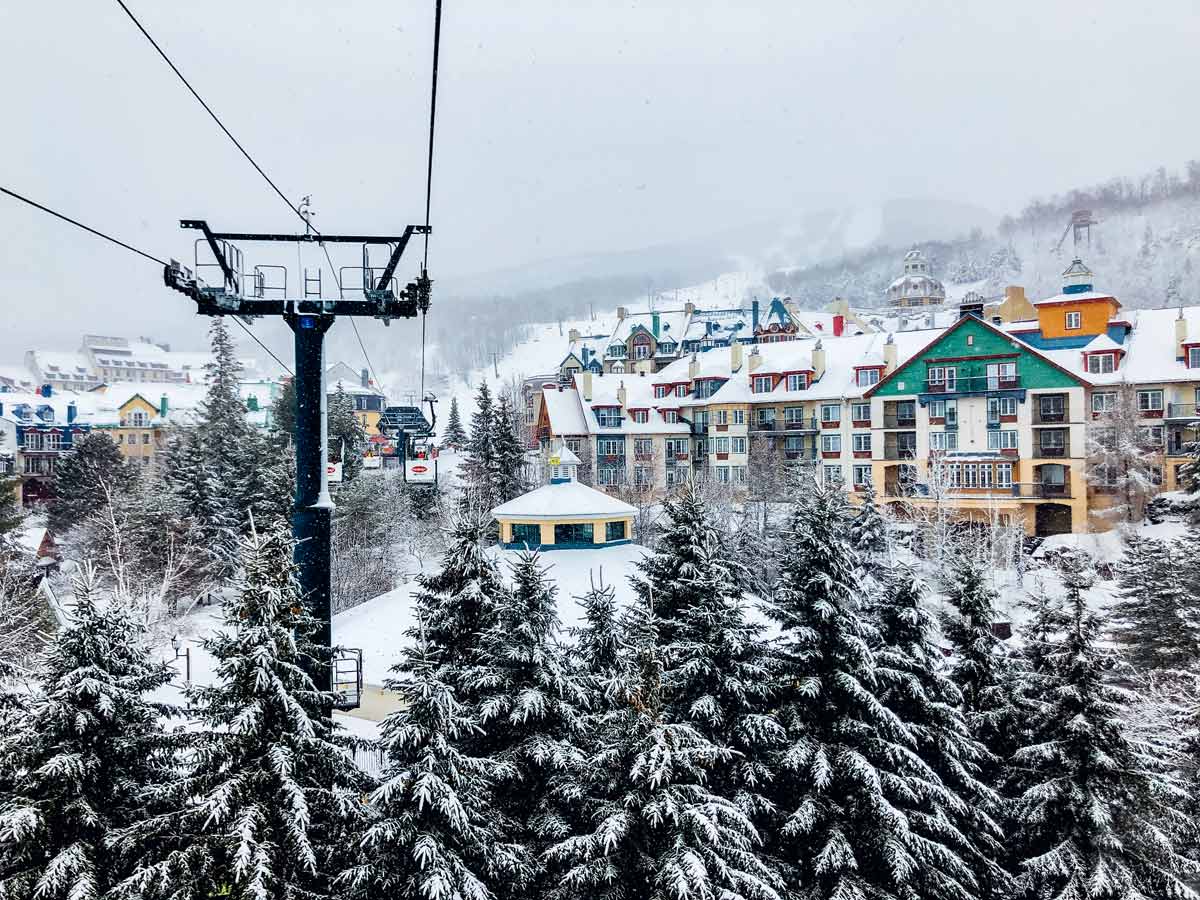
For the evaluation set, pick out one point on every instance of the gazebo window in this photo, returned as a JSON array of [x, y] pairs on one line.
[[573, 533], [527, 534], [614, 531]]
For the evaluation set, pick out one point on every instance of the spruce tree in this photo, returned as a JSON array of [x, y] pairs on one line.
[[718, 665], [1156, 618], [86, 481], [869, 533], [88, 749], [455, 436], [10, 486], [850, 774], [508, 453], [532, 712], [480, 464], [599, 646], [966, 816], [204, 503], [267, 807], [1100, 817], [347, 439], [654, 830], [283, 411], [225, 437], [434, 831]]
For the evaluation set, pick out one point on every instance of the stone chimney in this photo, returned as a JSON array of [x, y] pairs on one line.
[[585, 385], [573, 335], [622, 312], [693, 368], [622, 396], [1181, 334], [755, 360], [889, 354], [735, 357], [818, 361], [840, 307]]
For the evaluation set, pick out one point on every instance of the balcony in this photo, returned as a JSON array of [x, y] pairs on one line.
[[900, 451], [809, 424], [1051, 415], [1051, 449], [1041, 490], [771, 426], [1182, 411], [892, 420], [974, 384], [802, 453]]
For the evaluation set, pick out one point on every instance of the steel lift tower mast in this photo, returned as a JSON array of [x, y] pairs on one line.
[[260, 292]]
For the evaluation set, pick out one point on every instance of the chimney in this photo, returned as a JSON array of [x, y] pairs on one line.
[[754, 315], [163, 406], [655, 322], [818, 361], [366, 381], [735, 358], [689, 307], [889, 355], [693, 368], [621, 395], [1181, 334], [839, 325], [755, 361], [840, 307], [573, 335], [585, 385], [621, 313], [72, 412]]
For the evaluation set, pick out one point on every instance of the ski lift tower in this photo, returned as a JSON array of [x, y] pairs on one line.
[[1080, 227], [249, 293]]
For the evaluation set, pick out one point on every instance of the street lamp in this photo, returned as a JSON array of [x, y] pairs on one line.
[[186, 653]]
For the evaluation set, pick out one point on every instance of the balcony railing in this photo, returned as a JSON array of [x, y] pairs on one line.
[[772, 425], [1052, 451], [809, 424], [809, 453], [899, 451], [907, 420], [1182, 411], [974, 384], [1041, 490]]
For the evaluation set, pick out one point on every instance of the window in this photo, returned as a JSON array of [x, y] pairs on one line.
[[670, 416], [937, 409], [616, 351], [832, 474], [1001, 375], [1150, 436], [676, 475], [763, 384], [860, 412], [952, 473], [739, 417], [610, 447], [526, 534], [985, 475], [722, 474], [121, 438], [573, 533], [970, 475], [943, 440], [53, 441], [737, 445], [677, 447], [1156, 475], [1004, 475], [1193, 357], [739, 474], [1105, 402], [1001, 407], [1053, 439], [794, 416], [643, 448], [139, 419], [867, 377], [574, 445], [797, 382], [642, 476], [641, 350], [766, 417], [719, 444], [1074, 320], [1002, 440], [681, 390], [831, 412], [1053, 408], [1150, 401], [721, 417], [145, 438], [609, 475], [1101, 363], [661, 390], [862, 443], [640, 416], [608, 416], [862, 476], [831, 443]]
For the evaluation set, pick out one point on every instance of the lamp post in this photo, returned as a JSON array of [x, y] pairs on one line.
[[186, 653]]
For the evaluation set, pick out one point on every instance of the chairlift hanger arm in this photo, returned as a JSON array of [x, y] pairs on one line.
[[231, 281], [400, 240]]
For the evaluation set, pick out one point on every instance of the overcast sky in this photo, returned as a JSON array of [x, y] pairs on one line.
[[564, 128]]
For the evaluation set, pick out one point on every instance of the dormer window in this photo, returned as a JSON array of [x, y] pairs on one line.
[[867, 377], [670, 416], [1074, 320], [608, 416], [681, 390], [763, 384], [1101, 363], [661, 390], [616, 351], [640, 416], [1193, 358], [797, 382]]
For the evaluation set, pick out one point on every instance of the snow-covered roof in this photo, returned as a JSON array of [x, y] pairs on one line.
[[564, 411], [56, 364], [565, 500], [18, 377], [1073, 298], [671, 325], [639, 394]]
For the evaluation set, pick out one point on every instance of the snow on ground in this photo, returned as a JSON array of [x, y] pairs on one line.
[[379, 626]]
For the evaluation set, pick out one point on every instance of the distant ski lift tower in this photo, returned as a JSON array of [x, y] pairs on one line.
[[263, 291], [1081, 224]]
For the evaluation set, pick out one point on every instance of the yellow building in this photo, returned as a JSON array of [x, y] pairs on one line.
[[564, 514], [140, 431]]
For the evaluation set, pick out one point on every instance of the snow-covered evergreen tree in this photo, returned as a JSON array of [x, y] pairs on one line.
[[85, 481], [718, 669], [532, 709], [851, 773], [508, 453], [223, 433], [205, 503], [599, 644], [283, 411], [267, 807], [1156, 618], [434, 832], [10, 485], [86, 751], [455, 436], [869, 533], [480, 464], [1121, 458], [1100, 818], [347, 439], [966, 817], [654, 830]]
